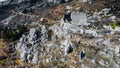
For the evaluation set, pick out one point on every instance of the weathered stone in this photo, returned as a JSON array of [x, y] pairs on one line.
[[26, 50]]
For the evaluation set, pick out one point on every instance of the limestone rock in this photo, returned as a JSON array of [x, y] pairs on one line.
[[27, 46]]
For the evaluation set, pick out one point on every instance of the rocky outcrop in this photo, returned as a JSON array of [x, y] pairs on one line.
[[27, 47], [44, 34]]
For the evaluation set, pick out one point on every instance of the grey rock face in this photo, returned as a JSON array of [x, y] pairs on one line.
[[57, 1], [6, 2], [79, 18], [54, 1], [66, 29], [44, 36], [83, 0], [27, 46], [50, 2], [61, 31]]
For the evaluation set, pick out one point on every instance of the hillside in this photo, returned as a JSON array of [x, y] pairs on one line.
[[59, 34]]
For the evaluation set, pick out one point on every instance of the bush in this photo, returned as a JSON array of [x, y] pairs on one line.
[[113, 25], [10, 33]]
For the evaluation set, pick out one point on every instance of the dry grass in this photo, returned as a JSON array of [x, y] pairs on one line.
[[117, 43], [55, 14], [2, 46]]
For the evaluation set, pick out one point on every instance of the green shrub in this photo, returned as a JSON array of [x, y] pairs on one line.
[[113, 25], [10, 33]]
